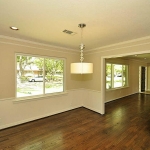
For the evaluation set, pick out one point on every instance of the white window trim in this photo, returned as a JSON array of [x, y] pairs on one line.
[[38, 97], [117, 88], [41, 95], [112, 77]]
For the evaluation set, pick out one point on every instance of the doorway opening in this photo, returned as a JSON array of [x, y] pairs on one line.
[[142, 79]]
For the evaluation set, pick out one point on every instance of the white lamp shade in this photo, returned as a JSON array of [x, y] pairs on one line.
[[81, 68]]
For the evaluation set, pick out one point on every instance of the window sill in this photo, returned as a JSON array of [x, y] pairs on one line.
[[37, 97], [119, 88]]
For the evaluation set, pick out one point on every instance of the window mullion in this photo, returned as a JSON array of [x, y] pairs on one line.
[[127, 75]]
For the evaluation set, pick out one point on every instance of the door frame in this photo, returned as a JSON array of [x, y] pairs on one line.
[[140, 77], [103, 80]]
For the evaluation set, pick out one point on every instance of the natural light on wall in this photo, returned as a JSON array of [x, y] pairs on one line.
[[81, 67]]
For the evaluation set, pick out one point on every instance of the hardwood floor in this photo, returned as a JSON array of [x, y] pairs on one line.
[[125, 126]]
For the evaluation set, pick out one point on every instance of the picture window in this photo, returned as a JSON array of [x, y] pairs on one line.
[[37, 75]]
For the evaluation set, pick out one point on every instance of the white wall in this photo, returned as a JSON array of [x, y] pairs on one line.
[[92, 100], [17, 112]]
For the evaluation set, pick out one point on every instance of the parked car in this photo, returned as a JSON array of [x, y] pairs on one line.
[[36, 79], [119, 75]]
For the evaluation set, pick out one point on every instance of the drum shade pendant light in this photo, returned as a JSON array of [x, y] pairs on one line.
[[81, 67]]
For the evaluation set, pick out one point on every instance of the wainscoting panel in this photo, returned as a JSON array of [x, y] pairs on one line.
[[14, 113], [92, 100]]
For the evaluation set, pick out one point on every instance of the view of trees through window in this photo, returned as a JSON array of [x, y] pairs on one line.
[[116, 75], [38, 75]]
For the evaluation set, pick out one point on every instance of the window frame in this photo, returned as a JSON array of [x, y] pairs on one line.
[[44, 95], [112, 76]]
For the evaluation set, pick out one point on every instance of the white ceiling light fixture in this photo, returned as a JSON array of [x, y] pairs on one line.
[[81, 67]]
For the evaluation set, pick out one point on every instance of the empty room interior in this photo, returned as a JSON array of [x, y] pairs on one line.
[[75, 75]]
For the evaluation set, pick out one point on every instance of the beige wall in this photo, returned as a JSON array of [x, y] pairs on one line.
[[9, 48], [96, 56], [92, 81], [95, 82], [82, 90]]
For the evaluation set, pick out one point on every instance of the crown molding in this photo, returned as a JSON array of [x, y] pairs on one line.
[[137, 60], [125, 44], [112, 47], [25, 43]]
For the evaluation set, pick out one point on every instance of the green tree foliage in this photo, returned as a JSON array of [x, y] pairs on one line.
[[108, 69], [52, 66], [23, 61]]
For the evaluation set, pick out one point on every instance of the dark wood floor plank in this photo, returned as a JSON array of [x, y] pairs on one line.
[[125, 126]]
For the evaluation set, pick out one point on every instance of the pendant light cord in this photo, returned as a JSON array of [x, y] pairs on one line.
[[82, 46]]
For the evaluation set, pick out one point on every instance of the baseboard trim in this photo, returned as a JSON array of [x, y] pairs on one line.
[[93, 109], [120, 97], [36, 118]]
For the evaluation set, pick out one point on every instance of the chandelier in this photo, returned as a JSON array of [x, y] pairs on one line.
[[81, 67]]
